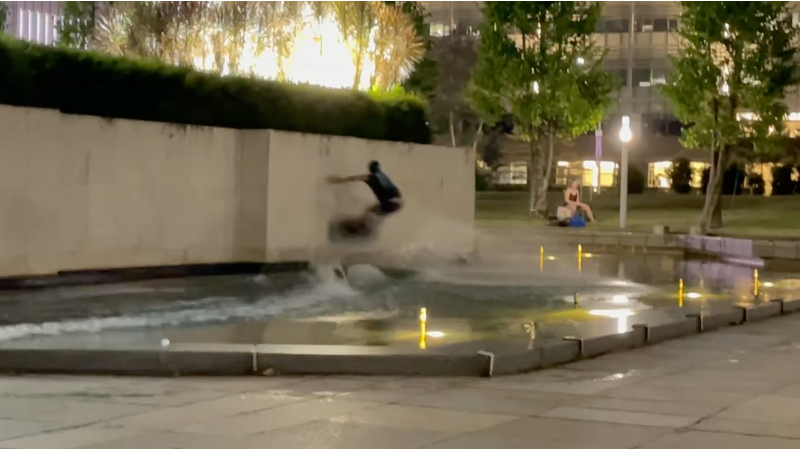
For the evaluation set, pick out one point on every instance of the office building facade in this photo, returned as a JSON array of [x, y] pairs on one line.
[[33, 21], [639, 39]]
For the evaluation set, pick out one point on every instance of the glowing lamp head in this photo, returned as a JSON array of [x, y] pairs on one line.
[[625, 131]]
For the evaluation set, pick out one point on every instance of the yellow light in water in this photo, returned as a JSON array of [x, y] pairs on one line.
[[619, 299], [435, 334], [620, 314], [551, 258], [423, 319], [767, 284], [615, 313], [755, 282], [622, 324], [693, 295], [541, 259]]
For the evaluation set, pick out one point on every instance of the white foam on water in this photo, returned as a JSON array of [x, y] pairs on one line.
[[214, 309], [364, 275]]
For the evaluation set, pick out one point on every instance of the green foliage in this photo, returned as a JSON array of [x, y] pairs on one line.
[[782, 183], [537, 62], [449, 109], [732, 180], [79, 82], [636, 180], [681, 176], [736, 56], [76, 28], [572, 98], [3, 16], [422, 80], [483, 179]]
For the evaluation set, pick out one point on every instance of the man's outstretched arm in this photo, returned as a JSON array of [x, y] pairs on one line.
[[350, 179]]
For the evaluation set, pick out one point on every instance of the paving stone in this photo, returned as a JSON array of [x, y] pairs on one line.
[[328, 434], [70, 438], [702, 439], [500, 401], [624, 417], [433, 419], [10, 428], [649, 406]]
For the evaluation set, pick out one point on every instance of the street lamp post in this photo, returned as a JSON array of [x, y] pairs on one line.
[[624, 137]]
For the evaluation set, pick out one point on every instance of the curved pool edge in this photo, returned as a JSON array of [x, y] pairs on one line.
[[268, 360]]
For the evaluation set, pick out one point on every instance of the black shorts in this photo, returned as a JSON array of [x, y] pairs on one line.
[[386, 207]]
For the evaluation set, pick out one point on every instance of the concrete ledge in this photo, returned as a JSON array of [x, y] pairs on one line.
[[399, 365], [126, 362], [791, 306], [664, 332], [715, 321], [123, 275], [560, 353], [518, 362], [761, 312], [597, 346]]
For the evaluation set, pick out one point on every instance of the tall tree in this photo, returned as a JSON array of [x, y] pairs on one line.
[[537, 62], [729, 83], [422, 80], [449, 108]]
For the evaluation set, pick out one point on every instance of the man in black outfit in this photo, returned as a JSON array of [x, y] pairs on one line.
[[389, 199]]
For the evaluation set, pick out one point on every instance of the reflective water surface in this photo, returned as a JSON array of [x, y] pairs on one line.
[[482, 304]]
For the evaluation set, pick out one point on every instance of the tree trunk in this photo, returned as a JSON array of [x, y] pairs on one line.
[[534, 169], [452, 129], [712, 209], [478, 136], [716, 216], [544, 180]]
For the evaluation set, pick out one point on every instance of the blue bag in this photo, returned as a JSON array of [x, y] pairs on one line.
[[577, 221]]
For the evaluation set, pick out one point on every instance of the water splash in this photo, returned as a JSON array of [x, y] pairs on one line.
[[205, 310]]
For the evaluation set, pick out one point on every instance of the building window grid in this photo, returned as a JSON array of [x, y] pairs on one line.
[[36, 26]]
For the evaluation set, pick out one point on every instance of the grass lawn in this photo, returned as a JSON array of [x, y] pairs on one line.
[[744, 215]]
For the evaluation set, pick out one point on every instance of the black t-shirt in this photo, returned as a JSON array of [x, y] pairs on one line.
[[382, 187]]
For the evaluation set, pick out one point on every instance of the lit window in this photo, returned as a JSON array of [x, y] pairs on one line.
[[659, 76], [439, 29], [657, 174], [697, 173]]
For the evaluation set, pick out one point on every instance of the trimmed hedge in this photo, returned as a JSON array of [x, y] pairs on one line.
[[89, 83]]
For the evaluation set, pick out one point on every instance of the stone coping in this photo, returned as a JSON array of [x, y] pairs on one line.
[[254, 360], [129, 274], [748, 250]]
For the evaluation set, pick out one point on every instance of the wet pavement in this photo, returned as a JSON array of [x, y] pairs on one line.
[[736, 388]]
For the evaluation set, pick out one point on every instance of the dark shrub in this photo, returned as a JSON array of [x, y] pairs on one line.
[[782, 183], [636, 180], [78, 82], [681, 176]]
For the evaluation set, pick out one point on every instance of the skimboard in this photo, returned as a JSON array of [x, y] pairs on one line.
[[351, 230]]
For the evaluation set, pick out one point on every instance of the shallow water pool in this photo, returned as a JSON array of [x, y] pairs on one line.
[[472, 305]]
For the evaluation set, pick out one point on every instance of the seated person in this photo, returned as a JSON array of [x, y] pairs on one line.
[[571, 198]]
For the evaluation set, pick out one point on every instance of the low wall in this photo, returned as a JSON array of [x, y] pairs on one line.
[[437, 184], [79, 192]]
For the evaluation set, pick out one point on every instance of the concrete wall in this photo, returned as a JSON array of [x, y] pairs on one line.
[[437, 184], [81, 192]]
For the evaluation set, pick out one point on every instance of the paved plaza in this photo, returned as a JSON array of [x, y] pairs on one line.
[[739, 387]]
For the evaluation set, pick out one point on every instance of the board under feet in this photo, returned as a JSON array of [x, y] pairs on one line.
[[350, 230]]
